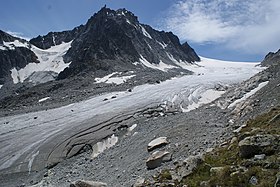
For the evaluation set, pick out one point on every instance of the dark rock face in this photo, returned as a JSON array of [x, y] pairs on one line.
[[271, 58], [113, 40], [17, 58], [5, 37], [55, 38]]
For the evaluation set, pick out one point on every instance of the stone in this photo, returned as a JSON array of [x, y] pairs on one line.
[[259, 144], [82, 183], [253, 180], [156, 143], [157, 158], [187, 167], [259, 157], [139, 182], [216, 170], [233, 140]]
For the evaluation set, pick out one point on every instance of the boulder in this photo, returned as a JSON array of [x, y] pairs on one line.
[[259, 144], [217, 170], [259, 157], [139, 182], [82, 183], [157, 158], [156, 143], [187, 167]]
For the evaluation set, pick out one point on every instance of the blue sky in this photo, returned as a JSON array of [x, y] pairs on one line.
[[235, 30]]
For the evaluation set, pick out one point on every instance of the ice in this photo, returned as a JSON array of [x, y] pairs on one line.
[[31, 161], [161, 66], [145, 32], [1, 86], [199, 99], [249, 94], [50, 60], [100, 147]]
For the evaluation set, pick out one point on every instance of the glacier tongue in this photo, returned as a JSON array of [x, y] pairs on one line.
[[37, 129]]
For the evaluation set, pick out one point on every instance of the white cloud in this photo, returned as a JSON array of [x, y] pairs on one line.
[[251, 25]]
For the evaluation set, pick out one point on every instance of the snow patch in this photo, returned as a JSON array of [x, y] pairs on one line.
[[43, 99], [100, 147], [2, 47], [163, 45], [149, 46], [50, 60], [13, 45], [135, 63], [53, 39], [145, 32], [161, 66], [117, 80], [249, 94], [132, 128]]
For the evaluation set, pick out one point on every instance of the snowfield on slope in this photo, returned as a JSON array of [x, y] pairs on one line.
[[50, 60], [185, 93]]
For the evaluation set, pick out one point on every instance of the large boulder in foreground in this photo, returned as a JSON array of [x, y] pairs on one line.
[[157, 158], [259, 144], [156, 143]]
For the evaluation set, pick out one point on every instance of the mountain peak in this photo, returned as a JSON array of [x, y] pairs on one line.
[[120, 16], [6, 37]]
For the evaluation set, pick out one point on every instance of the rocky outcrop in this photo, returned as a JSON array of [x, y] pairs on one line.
[[55, 38], [260, 144], [186, 167], [271, 59], [82, 183], [156, 143]]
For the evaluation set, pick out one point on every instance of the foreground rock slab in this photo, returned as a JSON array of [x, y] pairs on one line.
[[156, 143], [157, 158]]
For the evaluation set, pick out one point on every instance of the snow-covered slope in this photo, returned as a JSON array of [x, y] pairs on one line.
[[50, 60]]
